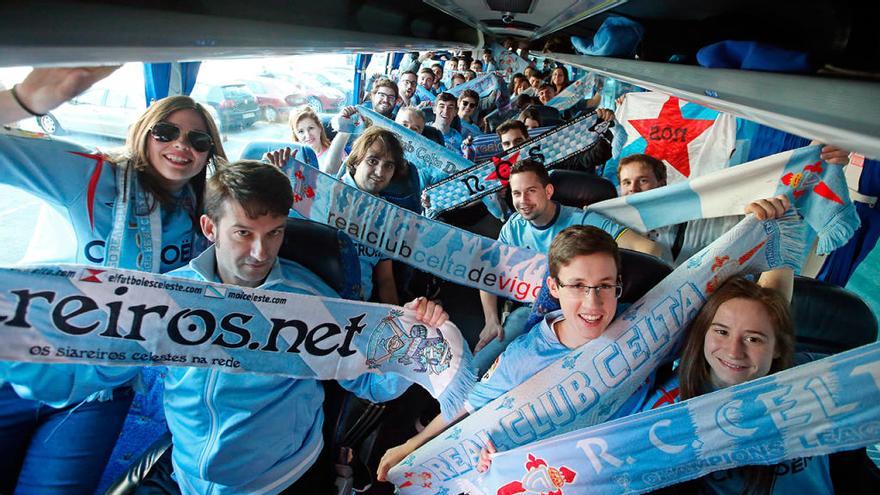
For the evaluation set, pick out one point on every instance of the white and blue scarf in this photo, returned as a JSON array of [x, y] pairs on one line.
[[593, 381], [81, 314]]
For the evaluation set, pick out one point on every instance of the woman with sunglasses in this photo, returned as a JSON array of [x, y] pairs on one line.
[[468, 102], [137, 209]]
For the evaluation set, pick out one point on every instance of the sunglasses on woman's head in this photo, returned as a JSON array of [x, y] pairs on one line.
[[165, 132]]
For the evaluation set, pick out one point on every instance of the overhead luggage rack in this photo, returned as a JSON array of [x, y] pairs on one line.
[[842, 112]]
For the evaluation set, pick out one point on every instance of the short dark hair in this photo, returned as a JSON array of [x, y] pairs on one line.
[[469, 93], [546, 85], [509, 125], [523, 101], [426, 70], [657, 166], [447, 97], [260, 189], [384, 82], [437, 64], [530, 112], [389, 143], [580, 240], [529, 165]]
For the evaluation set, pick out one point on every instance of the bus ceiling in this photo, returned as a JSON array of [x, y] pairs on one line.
[[838, 32]]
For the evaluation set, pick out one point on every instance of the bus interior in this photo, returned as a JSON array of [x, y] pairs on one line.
[[285, 54]]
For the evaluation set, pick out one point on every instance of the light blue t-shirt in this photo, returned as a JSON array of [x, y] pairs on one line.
[[526, 356], [521, 232]]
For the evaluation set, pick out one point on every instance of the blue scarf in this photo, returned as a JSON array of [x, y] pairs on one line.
[[593, 381]]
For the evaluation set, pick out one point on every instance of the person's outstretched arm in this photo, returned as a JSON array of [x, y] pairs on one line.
[[44, 89]]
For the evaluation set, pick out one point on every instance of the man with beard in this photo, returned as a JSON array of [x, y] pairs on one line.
[[407, 87], [383, 98]]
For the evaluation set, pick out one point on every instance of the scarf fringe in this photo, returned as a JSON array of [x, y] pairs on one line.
[[838, 231], [792, 236], [453, 398]]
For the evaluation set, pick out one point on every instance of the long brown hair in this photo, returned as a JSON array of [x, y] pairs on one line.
[[693, 372], [138, 141], [390, 144]]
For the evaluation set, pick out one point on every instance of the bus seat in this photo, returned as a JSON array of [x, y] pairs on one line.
[[640, 273], [256, 149], [433, 134], [326, 251], [579, 189], [829, 319]]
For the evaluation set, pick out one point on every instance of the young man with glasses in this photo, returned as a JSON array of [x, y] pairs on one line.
[[534, 225], [585, 276], [383, 98]]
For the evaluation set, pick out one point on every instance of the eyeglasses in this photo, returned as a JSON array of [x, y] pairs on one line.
[[387, 96], [579, 290], [165, 132], [467, 104]]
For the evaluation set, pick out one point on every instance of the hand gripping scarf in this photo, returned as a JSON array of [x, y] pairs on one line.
[[79, 314], [593, 381], [814, 409], [818, 190]]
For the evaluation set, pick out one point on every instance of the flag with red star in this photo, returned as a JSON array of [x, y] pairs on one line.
[[690, 139]]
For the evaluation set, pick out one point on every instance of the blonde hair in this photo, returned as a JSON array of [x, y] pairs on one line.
[[303, 114], [137, 143]]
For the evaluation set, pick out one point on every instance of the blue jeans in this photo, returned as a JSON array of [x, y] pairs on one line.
[[514, 326], [57, 451]]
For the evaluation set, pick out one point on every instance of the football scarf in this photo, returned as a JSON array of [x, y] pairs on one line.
[[434, 160], [486, 146], [81, 314], [593, 381], [483, 85], [574, 93], [817, 189], [489, 177], [814, 409], [450, 253]]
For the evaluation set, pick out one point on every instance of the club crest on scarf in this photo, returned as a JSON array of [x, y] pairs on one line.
[[390, 342], [502, 168], [807, 180], [300, 188], [540, 479]]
